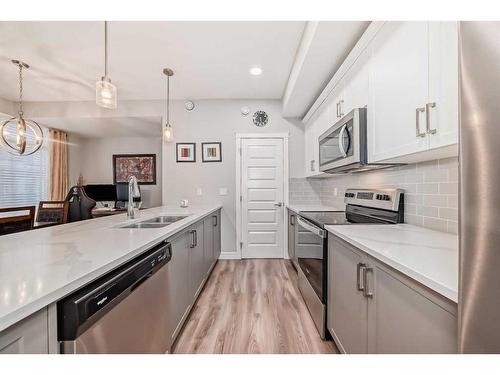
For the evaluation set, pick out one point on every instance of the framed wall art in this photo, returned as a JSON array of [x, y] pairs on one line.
[[142, 166], [185, 152], [211, 152]]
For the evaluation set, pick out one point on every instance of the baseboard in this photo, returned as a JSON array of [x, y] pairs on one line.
[[234, 255]]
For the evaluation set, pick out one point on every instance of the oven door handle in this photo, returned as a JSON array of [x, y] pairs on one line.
[[311, 228]]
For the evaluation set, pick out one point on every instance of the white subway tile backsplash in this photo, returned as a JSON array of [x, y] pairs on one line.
[[431, 191]]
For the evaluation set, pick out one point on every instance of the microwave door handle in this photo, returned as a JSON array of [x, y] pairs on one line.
[[341, 143], [311, 228]]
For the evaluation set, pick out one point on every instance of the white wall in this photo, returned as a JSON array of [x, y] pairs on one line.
[[93, 158], [219, 121]]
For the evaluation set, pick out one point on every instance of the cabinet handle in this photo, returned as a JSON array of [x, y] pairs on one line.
[[312, 165], [338, 109], [417, 121], [292, 220], [428, 107], [360, 268], [341, 113], [192, 232], [366, 292], [214, 221], [195, 238]]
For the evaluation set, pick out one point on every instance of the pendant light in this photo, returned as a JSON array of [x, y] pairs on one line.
[[20, 136], [168, 133], [105, 91]]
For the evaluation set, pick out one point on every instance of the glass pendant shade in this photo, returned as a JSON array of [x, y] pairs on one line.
[[168, 133], [105, 93]]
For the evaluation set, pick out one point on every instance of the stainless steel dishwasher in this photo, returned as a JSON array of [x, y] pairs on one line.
[[124, 311]]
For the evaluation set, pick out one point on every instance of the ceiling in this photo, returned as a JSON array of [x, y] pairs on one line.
[[107, 127], [211, 60]]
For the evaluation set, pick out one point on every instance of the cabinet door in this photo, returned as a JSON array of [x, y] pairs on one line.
[[404, 317], [291, 234], [197, 272], [208, 243], [311, 160], [217, 235], [177, 287], [443, 83], [30, 336], [347, 308], [398, 87], [356, 84]]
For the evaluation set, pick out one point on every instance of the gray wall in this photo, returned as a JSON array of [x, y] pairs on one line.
[[431, 191], [93, 158], [219, 121]]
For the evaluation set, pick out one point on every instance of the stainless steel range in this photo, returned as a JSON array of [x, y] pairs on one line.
[[363, 206]]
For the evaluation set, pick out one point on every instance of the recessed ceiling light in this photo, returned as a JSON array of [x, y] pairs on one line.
[[255, 71]]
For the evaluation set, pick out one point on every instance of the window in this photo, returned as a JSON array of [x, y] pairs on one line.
[[24, 180]]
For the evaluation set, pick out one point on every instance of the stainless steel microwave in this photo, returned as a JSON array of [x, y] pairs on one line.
[[343, 147]]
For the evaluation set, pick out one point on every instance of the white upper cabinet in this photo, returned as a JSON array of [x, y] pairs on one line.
[[398, 90], [356, 85], [406, 74], [443, 84], [413, 92]]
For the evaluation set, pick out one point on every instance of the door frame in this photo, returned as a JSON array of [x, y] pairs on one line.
[[239, 138]]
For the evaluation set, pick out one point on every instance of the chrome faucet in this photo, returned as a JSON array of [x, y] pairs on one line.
[[133, 192]]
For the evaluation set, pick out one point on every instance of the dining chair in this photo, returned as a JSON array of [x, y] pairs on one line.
[[16, 219], [52, 212]]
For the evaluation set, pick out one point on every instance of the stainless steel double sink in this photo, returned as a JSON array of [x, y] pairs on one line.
[[155, 222]]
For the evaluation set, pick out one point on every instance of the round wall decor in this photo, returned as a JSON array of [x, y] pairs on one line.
[[245, 110], [189, 105], [260, 118]]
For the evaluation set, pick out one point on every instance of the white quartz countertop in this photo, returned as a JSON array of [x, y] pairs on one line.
[[41, 266], [304, 207], [427, 256]]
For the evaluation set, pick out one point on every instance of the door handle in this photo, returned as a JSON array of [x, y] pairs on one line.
[[343, 151], [417, 121], [278, 204], [366, 292], [428, 107], [360, 268]]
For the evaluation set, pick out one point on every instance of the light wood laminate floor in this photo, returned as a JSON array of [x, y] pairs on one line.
[[251, 306]]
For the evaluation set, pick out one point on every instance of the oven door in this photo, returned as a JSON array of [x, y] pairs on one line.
[[310, 253], [344, 143]]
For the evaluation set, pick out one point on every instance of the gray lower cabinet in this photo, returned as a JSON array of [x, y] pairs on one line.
[[29, 336], [373, 308], [292, 218], [194, 252], [177, 283]]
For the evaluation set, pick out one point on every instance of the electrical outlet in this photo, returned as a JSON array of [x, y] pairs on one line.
[[199, 191], [223, 191]]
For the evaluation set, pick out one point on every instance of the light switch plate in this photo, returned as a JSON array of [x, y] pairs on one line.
[[222, 191], [199, 191]]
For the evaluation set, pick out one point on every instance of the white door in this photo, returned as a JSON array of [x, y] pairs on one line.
[[262, 192], [399, 90]]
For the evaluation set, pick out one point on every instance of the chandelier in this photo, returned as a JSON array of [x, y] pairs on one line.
[[20, 136]]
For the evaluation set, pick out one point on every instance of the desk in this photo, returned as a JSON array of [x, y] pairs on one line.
[[107, 212]]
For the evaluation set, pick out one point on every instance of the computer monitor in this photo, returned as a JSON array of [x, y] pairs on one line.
[[101, 192], [122, 192]]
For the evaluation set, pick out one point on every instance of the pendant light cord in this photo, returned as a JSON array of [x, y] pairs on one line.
[[168, 100], [106, 49], [21, 89]]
